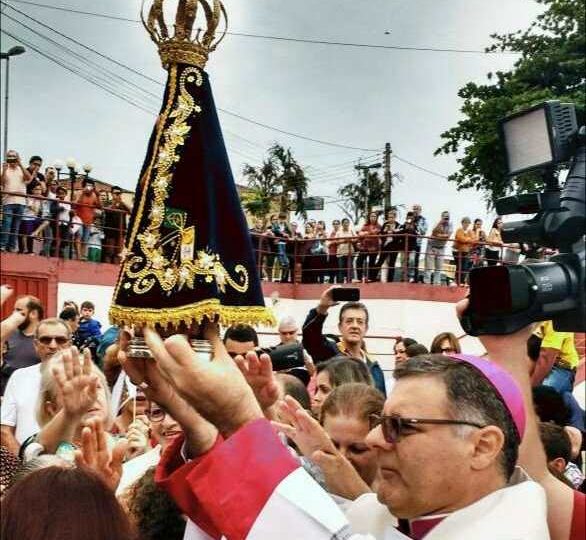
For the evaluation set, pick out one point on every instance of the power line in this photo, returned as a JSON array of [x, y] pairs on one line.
[[88, 78], [90, 49], [429, 171], [225, 111], [284, 38], [74, 70], [81, 58]]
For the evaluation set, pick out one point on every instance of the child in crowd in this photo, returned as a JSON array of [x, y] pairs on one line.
[[94, 243], [88, 327]]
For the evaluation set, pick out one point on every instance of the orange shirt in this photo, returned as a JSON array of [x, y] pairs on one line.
[[464, 240], [85, 213]]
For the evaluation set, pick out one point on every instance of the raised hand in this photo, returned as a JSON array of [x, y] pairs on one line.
[[76, 384], [137, 436], [98, 457], [326, 301], [258, 372], [297, 424], [5, 293], [341, 477], [146, 374], [217, 389]]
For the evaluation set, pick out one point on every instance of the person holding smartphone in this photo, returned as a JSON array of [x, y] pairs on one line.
[[15, 179], [352, 324]]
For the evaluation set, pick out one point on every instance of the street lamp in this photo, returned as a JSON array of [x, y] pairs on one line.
[[74, 170], [13, 51]]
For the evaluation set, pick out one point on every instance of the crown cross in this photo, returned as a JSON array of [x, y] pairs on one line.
[[187, 45]]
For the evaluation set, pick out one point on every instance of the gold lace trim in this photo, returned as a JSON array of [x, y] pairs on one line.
[[193, 313], [145, 178]]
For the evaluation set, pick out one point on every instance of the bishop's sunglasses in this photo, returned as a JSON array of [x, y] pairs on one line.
[[394, 427]]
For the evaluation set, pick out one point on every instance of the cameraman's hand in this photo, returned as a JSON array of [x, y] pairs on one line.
[[258, 372], [217, 389], [326, 301]]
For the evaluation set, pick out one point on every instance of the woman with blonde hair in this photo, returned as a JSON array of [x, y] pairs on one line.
[[73, 392]]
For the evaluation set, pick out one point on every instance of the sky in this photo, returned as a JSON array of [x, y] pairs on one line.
[[357, 97]]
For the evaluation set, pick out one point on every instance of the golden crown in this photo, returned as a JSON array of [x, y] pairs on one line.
[[188, 45]]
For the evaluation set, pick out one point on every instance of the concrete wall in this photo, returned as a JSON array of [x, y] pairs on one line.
[[410, 318]]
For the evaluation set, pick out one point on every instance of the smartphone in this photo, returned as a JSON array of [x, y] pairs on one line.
[[346, 294]]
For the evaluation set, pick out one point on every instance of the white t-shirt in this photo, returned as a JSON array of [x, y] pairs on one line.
[[20, 402], [14, 183]]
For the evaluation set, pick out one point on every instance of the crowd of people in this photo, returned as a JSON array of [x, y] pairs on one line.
[[255, 444], [41, 215], [382, 250]]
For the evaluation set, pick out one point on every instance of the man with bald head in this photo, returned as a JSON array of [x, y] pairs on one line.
[[288, 330]]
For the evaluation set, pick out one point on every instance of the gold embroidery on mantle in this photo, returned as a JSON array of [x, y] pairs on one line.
[[143, 270]]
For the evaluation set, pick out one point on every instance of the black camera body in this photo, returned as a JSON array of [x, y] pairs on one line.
[[285, 357], [504, 299]]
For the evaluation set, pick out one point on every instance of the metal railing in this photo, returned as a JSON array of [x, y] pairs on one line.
[[50, 227], [396, 257], [29, 226]]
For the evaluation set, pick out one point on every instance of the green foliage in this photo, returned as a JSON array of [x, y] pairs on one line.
[[280, 176], [551, 66], [355, 195]]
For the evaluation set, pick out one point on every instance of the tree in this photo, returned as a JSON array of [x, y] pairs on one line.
[[264, 188], [279, 177], [355, 202], [551, 66]]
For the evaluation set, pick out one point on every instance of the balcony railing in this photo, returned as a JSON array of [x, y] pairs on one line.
[[30, 226], [48, 226], [399, 257]]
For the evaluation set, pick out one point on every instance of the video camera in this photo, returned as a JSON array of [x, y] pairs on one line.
[[285, 357], [504, 299], [288, 358]]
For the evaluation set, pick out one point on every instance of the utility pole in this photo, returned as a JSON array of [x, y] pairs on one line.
[[365, 169], [388, 177], [14, 51]]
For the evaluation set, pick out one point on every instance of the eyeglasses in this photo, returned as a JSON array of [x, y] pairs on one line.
[[447, 350], [46, 340], [394, 426], [156, 415], [116, 193]]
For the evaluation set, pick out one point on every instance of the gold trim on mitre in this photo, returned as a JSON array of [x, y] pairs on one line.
[[187, 45], [211, 309]]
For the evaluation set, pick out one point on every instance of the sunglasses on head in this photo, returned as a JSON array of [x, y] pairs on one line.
[[394, 426], [46, 340]]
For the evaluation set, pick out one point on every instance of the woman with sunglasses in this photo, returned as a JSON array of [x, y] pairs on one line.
[[445, 343]]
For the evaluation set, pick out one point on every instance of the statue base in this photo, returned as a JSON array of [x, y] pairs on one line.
[[137, 348]]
